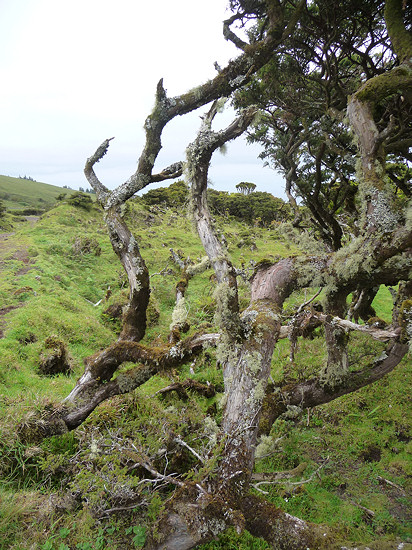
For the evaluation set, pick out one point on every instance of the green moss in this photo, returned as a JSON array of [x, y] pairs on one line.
[[263, 263], [131, 379], [405, 321], [400, 37], [381, 86], [182, 285]]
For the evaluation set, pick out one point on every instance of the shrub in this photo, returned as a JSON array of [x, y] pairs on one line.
[[248, 208], [55, 358], [80, 200], [2, 209], [174, 195], [86, 245]]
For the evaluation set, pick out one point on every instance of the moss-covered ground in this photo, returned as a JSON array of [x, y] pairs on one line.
[[81, 490]]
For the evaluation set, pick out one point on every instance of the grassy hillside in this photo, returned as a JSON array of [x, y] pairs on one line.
[[58, 278], [18, 193]]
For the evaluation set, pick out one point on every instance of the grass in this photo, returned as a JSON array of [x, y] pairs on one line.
[[20, 193], [53, 290]]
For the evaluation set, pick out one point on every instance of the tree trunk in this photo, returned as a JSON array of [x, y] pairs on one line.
[[127, 250], [336, 339]]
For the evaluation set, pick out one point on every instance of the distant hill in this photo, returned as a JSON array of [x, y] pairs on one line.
[[20, 193]]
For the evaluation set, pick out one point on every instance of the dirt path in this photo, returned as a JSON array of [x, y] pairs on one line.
[[12, 249]]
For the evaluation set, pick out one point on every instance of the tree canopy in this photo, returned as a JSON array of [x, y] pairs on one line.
[[303, 94]]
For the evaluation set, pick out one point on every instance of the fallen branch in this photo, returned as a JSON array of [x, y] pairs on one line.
[[164, 271], [138, 461], [95, 304], [302, 306], [368, 512], [177, 259], [180, 441], [383, 480], [109, 511], [282, 480], [277, 476]]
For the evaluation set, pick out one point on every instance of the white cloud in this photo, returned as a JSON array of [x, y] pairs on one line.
[[75, 73]]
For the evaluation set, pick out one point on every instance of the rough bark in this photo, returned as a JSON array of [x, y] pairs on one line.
[[400, 37], [245, 354], [235, 74], [283, 531], [336, 339], [127, 250], [101, 367]]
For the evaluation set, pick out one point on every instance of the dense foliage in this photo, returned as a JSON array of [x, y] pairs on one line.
[[256, 207], [173, 195], [82, 200], [303, 94], [2, 208], [253, 207]]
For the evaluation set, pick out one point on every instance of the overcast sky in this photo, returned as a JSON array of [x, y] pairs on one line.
[[75, 73]]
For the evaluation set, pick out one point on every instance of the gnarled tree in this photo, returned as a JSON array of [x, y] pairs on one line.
[[219, 497]]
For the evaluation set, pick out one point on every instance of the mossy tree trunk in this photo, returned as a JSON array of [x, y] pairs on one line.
[[336, 339], [127, 250]]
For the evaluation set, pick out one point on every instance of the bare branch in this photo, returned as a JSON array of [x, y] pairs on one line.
[[180, 441], [302, 306], [177, 259], [277, 476], [208, 390], [230, 35], [291, 483], [376, 333], [171, 172], [102, 192]]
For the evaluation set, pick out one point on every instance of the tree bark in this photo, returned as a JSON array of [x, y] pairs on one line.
[[313, 392], [127, 250]]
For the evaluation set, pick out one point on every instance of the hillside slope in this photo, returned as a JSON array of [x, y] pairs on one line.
[[60, 284], [20, 193]]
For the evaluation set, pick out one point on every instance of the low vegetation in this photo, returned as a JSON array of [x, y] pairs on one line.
[[347, 461], [252, 208], [26, 196]]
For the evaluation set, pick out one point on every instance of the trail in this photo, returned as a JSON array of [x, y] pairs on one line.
[[12, 249]]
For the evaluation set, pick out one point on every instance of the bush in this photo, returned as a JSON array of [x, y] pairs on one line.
[[29, 212], [260, 206], [174, 195], [86, 245], [81, 200], [55, 358]]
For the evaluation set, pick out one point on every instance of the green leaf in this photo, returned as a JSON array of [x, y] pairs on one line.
[[64, 532], [140, 535]]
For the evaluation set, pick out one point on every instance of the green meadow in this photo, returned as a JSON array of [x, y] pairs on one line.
[[58, 278]]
